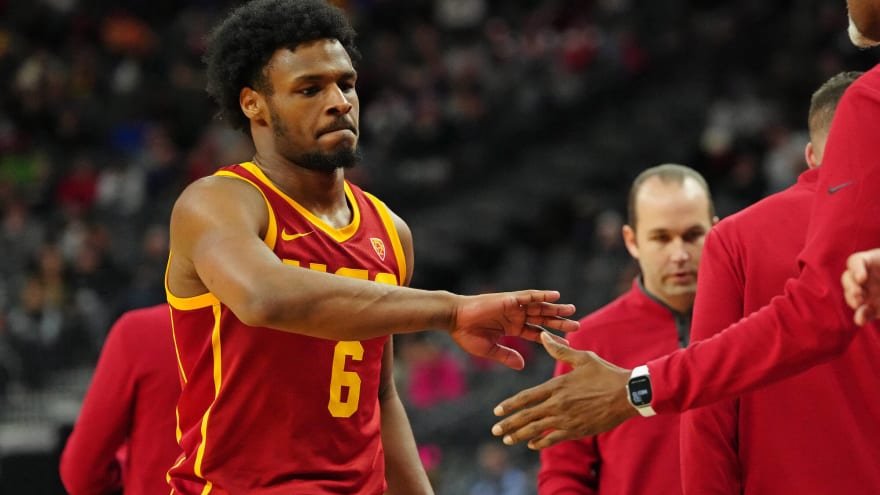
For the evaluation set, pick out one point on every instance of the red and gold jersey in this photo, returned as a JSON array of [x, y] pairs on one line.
[[269, 412]]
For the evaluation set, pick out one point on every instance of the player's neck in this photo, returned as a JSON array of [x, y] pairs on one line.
[[322, 193]]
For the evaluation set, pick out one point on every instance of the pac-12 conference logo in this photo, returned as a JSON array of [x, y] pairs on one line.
[[379, 247]]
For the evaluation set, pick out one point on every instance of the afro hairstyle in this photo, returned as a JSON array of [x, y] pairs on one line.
[[242, 44]]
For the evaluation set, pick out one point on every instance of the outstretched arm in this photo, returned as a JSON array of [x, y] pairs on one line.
[[806, 326], [861, 285], [219, 219]]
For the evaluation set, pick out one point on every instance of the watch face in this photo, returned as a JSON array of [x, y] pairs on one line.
[[640, 391]]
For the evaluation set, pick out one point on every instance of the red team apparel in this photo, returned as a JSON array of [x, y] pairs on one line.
[[265, 411], [124, 436], [812, 323], [806, 434], [641, 455]]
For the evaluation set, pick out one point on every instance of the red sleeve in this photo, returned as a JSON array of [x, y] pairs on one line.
[[709, 460], [569, 468], [811, 322], [88, 462]]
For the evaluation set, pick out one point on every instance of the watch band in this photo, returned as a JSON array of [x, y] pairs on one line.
[[638, 372]]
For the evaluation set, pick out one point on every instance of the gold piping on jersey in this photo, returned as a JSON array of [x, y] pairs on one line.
[[218, 375], [396, 245], [208, 299], [169, 297], [272, 228], [338, 235]]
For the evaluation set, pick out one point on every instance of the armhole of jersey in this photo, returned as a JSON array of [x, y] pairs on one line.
[[396, 245], [209, 299], [271, 236]]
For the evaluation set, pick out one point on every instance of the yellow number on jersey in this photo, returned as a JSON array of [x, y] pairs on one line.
[[340, 378]]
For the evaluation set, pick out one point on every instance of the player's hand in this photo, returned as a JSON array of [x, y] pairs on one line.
[[861, 285], [480, 321], [588, 400]]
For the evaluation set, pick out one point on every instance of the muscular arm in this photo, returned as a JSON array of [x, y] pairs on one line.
[[216, 245], [88, 462]]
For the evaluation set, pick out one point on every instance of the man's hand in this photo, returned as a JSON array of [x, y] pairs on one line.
[[588, 400], [480, 321], [861, 285]]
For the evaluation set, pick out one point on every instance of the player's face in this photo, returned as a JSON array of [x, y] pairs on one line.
[[671, 224], [314, 108]]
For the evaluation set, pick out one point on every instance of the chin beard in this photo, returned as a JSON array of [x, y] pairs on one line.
[[328, 162], [859, 39]]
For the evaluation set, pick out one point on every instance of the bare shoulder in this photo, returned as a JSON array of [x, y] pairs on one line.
[[216, 206], [218, 199], [213, 192]]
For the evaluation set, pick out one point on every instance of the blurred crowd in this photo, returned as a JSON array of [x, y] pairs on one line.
[[506, 133]]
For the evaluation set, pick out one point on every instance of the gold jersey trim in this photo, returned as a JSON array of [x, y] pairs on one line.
[[339, 235], [218, 381], [396, 245]]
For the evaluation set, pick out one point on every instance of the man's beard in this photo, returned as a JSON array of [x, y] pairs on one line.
[[316, 160], [859, 39], [328, 162]]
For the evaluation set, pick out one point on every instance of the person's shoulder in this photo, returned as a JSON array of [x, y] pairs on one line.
[[766, 212], [215, 195], [136, 320]]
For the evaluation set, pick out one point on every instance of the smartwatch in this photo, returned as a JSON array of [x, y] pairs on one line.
[[638, 391]]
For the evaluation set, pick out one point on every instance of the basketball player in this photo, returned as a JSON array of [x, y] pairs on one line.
[[284, 281]]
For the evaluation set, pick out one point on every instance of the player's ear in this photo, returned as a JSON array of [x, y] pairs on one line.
[[252, 103], [629, 239]]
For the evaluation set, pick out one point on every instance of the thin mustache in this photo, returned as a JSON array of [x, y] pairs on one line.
[[339, 125]]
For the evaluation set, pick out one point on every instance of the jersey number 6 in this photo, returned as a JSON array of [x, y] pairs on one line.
[[340, 378]]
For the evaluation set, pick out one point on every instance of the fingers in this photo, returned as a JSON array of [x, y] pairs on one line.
[[556, 338], [554, 322], [551, 439], [528, 429], [856, 266], [506, 356], [852, 290], [523, 399], [525, 297], [864, 314], [548, 309], [559, 351]]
